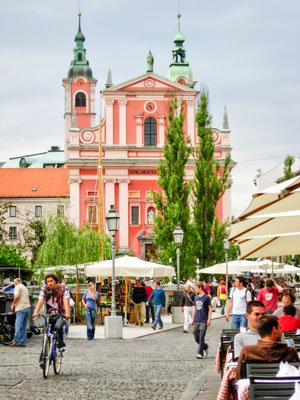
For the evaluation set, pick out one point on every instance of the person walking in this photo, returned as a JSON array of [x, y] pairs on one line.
[[89, 303], [159, 303], [21, 306], [187, 306], [201, 319], [150, 306], [269, 296], [239, 298], [139, 297], [222, 295]]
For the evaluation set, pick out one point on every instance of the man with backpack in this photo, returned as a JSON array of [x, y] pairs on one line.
[[238, 299]]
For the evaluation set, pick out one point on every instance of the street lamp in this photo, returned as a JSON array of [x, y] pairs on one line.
[[226, 245], [178, 238], [198, 271], [112, 221], [113, 323]]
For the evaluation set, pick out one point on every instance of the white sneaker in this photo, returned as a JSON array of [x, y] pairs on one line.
[[199, 356], [205, 353]]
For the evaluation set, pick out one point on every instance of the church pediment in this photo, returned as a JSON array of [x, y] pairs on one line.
[[151, 82]]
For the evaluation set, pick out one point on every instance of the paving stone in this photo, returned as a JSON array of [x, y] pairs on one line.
[[156, 367]]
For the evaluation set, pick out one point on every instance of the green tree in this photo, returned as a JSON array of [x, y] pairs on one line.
[[210, 183], [287, 169], [13, 257], [65, 244], [172, 202], [3, 215], [34, 234]]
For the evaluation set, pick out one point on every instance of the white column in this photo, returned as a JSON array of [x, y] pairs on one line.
[[122, 121], [123, 211], [74, 182], [191, 120], [161, 131], [109, 115], [109, 195], [139, 131]]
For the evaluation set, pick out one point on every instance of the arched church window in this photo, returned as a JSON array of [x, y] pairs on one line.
[[80, 100], [79, 57], [150, 132]]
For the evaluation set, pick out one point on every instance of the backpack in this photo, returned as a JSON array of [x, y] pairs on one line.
[[59, 296]]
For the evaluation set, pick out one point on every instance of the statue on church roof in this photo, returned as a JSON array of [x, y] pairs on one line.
[[150, 62]]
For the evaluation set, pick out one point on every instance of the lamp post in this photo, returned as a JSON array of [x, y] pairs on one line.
[[197, 271], [113, 324], [112, 221], [178, 238], [226, 245]]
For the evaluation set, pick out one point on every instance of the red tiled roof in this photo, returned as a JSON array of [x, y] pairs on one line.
[[49, 182]]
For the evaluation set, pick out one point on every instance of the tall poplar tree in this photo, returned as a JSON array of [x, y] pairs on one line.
[[287, 169], [172, 202], [210, 183]]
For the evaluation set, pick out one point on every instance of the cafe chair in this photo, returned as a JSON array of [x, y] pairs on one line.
[[272, 388]]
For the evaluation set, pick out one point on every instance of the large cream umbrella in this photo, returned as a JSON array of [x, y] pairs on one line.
[[270, 226], [234, 267]]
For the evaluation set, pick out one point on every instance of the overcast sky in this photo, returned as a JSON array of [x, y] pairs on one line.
[[246, 52]]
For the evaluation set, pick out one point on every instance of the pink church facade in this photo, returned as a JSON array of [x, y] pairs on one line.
[[133, 136]]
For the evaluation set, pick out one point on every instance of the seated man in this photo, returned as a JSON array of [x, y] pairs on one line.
[[255, 310], [288, 299], [268, 348], [288, 322]]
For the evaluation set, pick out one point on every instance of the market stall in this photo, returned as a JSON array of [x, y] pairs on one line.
[[125, 267]]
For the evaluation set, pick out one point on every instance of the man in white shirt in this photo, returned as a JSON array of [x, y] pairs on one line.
[[21, 306], [255, 310], [238, 299]]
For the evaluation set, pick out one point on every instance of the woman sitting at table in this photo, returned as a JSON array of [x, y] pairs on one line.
[[269, 348]]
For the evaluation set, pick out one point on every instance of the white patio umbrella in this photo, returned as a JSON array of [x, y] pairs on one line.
[[270, 225], [234, 267], [129, 266]]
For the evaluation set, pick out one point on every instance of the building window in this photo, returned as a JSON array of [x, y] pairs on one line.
[[80, 100], [92, 217], [150, 132], [135, 211], [38, 211], [60, 209], [79, 57], [12, 211], [13, 232]]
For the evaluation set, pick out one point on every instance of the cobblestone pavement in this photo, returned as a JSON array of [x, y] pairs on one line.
[[160, 366]]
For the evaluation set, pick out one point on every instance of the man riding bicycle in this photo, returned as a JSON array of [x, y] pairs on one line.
[[57, 305]]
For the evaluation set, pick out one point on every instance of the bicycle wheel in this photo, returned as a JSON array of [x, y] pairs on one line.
[[46, 356], [57, 360], [6, 334]]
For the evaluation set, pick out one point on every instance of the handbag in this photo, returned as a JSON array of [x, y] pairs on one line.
[[223, 296], [71, 302]]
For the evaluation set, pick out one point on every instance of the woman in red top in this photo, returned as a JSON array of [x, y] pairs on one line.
[[288, 322]]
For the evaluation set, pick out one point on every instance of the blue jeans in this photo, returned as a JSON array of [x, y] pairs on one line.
[[239, 321], [199, 335], [149, 308], [90, 316], [21, 326], [157, 310]]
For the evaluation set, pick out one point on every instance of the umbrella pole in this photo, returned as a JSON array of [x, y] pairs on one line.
[[125, 320]]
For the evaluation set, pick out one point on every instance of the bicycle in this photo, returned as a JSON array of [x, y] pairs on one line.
[[50, 350], [7, 331]]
